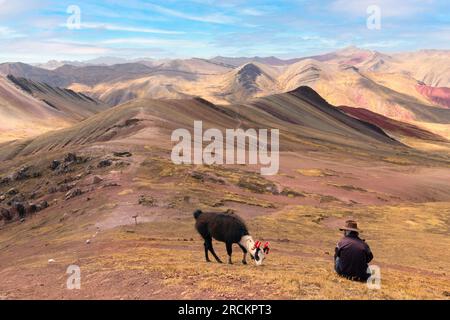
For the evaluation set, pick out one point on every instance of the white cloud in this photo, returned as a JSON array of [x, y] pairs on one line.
[[211, 18], [154, 42], [252, 12], [383, 44], [112, 27], [8, 33]]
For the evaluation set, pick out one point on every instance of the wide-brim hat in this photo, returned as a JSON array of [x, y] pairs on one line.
[[350, 225]]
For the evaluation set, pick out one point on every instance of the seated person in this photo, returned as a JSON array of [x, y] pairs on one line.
[[352, 254]]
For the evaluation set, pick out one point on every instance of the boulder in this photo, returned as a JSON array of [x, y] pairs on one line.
[[122, 154], [43, 205], [71, 157], [5, 180], [73, 193], [55, 164], [96, 180], [31, 208], [5, 214], [257, 184], [206, 177], [104, 163], [17, 198], [19, 209], [291, 193], [12, 192], [111, 184], [22, 174], [65, 187], [63, 169], [147, 201]]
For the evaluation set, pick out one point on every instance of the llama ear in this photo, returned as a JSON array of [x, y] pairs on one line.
[[266, 248], [257, 245]]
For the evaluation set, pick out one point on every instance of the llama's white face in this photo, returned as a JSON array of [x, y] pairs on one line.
[[259, 256], [256, 249]]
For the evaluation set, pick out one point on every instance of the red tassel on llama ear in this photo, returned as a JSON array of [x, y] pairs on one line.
[[257, 245], [266, 248]]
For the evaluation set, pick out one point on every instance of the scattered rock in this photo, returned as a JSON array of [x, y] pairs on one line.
[[147, 201], [123, 154], [52, 189], [42, 205], [31, 208], [19, 197], [5, 214], [104, 163], [12, 192], [446, 293], [33, 195], [65, 187], [18, 209], [73, 193], [2, 198], [22, 174], [96, 180], [71, 157], [63, 169], [257, 184], [122, 164], [22, 220], [5, 180], [51, 261], [291, 193], [327, 199], [88, 241], [198, 175], [55, 164], [206, 177], [111, 184]]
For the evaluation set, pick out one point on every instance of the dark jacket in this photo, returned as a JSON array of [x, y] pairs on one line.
[[354, 255]]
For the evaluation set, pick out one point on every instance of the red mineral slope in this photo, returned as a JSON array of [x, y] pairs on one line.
[[438, 95], [391, 125]]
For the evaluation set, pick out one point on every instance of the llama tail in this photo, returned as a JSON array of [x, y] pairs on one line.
[[197, 213]]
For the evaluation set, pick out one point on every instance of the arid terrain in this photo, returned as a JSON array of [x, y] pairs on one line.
[[86, 176]]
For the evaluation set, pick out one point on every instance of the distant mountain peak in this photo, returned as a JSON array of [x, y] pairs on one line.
[[309, 94], [247, 76]]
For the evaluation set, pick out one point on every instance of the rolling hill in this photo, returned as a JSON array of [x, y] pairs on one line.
[[29, 108], [300, 114]]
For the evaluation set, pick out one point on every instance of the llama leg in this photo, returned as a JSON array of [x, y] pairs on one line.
[[211, 249], [244, 259], [206, 252], [229, 246]]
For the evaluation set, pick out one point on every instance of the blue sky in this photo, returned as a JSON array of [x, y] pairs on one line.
[[36, 30]]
